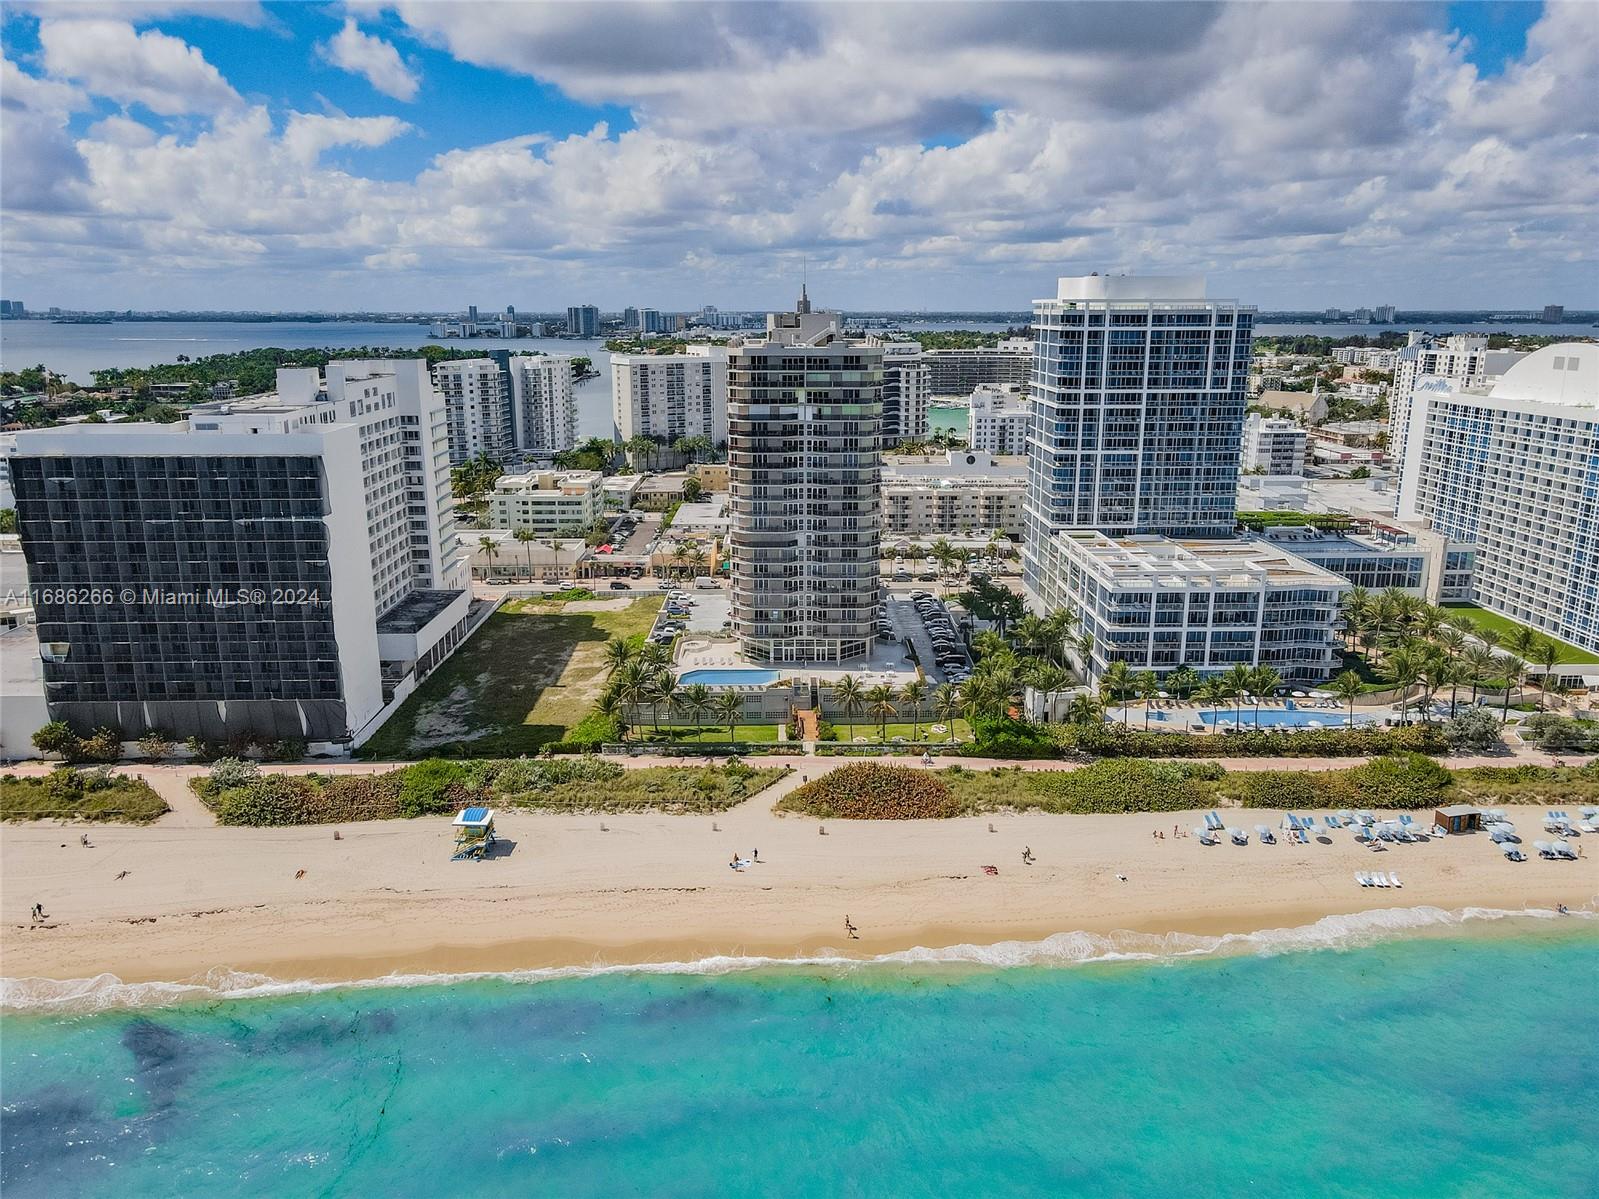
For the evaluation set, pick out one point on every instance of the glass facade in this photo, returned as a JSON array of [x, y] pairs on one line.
[[187, 594]]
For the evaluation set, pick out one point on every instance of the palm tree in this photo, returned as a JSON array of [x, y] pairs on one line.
[[1208, 692], [1402, 668], [1032, 634], [850, 698], [1060, 625], [618, 653], [655, 655], [527, 537], [947, 706], [679, 555], [1452, 641], [694, 558], [988, 643], [1148, 687], [632, 684], [642, 447], [1354, 606], [1236, 681], [490, 549], [662, 690], [1426, 620], [1433, 669], [1084, 709], [1263, 680], [1117, 683], [1515, 677], [729, 707], [1546, 653], [881, 699], [1182, 681], [1347, 687], [913, 693], [1479, 663], [695, 699]]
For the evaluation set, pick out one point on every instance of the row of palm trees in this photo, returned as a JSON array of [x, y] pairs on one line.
[[854, 700], [641, 677], [1417, 644], [647, 449]]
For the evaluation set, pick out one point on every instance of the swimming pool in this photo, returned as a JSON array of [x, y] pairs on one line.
[[735, 677], [1280, 718]]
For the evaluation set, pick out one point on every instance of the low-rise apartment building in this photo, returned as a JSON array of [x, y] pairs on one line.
[[959, 493], [547, 501], [1157, 604]]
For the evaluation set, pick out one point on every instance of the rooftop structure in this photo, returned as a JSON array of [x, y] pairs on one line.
[[547, 501]]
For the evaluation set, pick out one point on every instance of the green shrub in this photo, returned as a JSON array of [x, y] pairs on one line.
[[156, 745], [233, 772], [88, 795], [1120, 785], [594, 730], [103, 745], [64, 786], [1475, 729], [432, 787], [57, 737], [1114, 741], [1398, 781], [1557, 734], [1011, 738], [272, 801]]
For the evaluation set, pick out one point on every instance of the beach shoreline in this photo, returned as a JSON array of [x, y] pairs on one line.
[[649, 889]]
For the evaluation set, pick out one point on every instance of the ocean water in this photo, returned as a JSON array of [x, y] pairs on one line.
[[1439, 1064]]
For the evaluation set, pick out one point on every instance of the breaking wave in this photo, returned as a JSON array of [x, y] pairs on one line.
[[106, 991]]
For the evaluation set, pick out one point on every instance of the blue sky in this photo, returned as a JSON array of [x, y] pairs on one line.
[[171, 153]]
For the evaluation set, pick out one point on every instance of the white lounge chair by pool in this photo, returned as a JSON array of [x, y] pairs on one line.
[[1393, 880], [1378, 880]]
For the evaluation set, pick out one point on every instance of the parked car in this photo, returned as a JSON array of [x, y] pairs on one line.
[[619, 585]]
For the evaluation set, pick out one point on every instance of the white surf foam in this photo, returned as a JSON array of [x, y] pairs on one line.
[[107, 991]]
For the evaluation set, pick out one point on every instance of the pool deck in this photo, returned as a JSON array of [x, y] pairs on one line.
[[698, 651]]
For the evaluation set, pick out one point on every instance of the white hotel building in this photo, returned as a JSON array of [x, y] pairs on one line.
[[1513, 467], [1461, 358], [328, 502], [508, 405]]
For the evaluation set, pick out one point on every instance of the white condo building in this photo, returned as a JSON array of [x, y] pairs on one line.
[[907, 390], [1273, 446], [477, 396], [543, 403], [668, 396], [1138, 394], [997, 418], [1513, 467], [285, 566]]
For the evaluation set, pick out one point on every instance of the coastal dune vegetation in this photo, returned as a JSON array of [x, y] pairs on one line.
[[67, 793], [239, 793], [870, 791]]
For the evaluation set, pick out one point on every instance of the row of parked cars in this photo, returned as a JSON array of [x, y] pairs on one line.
[[673, 618], [947, 648]]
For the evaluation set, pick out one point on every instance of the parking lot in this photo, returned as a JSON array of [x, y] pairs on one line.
[[924, 623], [695, 611]]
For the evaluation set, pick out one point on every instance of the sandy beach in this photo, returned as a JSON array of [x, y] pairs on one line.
[[579, 890]]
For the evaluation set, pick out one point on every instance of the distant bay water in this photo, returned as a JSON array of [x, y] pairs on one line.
[[1461, 1065], [76, 351]]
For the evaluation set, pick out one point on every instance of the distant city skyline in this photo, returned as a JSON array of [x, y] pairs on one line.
[[270, 156]]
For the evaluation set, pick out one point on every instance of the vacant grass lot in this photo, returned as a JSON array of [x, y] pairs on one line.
[[530, 674], [903, 728], [706, 732], [1503, 625], [123, 799]]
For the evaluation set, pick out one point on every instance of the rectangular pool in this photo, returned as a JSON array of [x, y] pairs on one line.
[[733, 677], [1279, 718]]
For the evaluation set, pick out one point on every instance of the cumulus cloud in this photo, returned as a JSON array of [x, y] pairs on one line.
[[960, 154], [112, 59], [377, 60]]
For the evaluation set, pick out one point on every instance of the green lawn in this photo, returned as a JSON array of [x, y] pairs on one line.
[[530, 674], [1570, 655], [865, 727], [707, 732]]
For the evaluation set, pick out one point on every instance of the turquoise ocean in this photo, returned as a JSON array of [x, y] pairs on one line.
[[1458, 1059]]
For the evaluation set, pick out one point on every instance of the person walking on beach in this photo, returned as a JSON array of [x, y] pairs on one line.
[[38, 913], [850, 930], [755, 855]]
